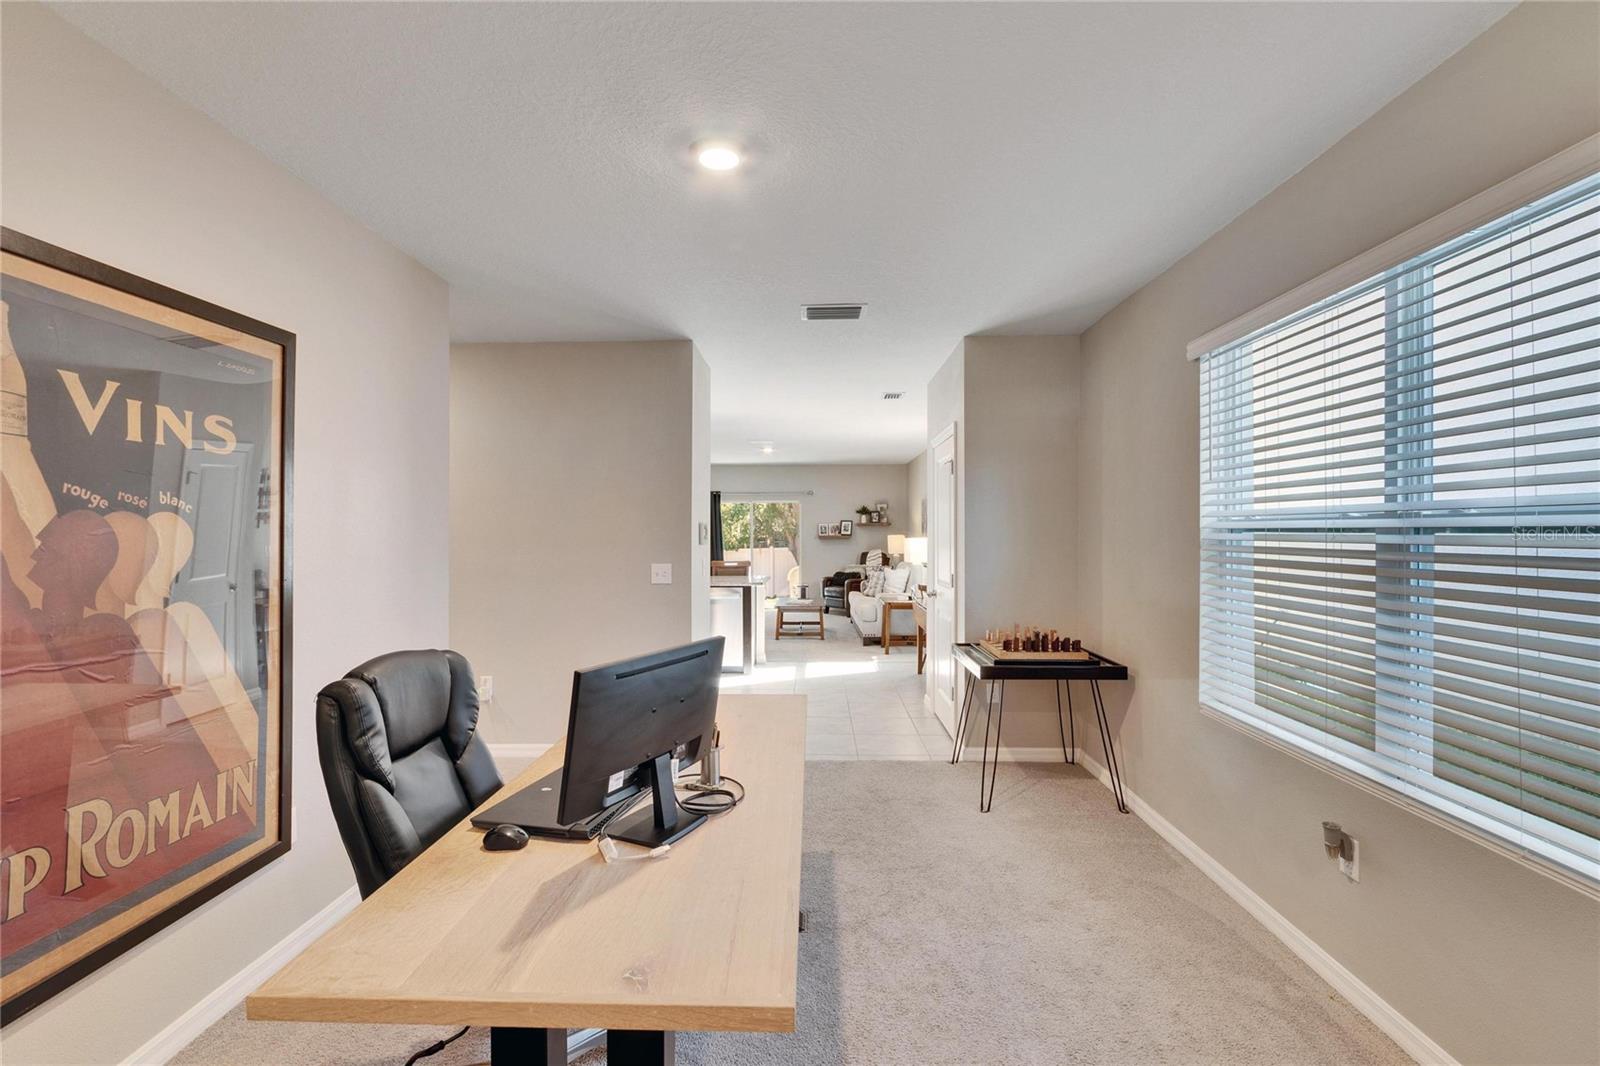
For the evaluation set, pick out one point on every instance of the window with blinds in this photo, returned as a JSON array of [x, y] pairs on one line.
[[1400, 530]]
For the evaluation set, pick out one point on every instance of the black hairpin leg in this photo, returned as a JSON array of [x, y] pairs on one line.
[[961, 719], [1111, 752], [985, 802], [1069, 754]]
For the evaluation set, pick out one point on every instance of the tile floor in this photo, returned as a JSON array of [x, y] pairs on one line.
[[860, 702]]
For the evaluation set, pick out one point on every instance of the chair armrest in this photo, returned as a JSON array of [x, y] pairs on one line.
[[852, 585]]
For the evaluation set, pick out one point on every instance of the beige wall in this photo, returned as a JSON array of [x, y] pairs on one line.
[[1495, 962], [571, 471], [837, 490], [1019, 499], [700, 499], [101, 161], [916, 494], [1016, 403]]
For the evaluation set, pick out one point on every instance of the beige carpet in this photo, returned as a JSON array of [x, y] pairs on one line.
[[1053, 930]]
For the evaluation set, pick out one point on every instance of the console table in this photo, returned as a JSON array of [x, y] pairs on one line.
[[982, 666]]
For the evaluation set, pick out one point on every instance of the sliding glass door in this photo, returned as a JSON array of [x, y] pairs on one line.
[[767, 534]]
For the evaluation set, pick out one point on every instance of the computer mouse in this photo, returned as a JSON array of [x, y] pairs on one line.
[[505, 838]]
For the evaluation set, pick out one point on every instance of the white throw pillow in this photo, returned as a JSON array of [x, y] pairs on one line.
[[875, 557], [896, 580], [872, 584]]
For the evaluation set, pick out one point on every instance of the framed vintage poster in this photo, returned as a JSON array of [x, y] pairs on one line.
[[144, 610]]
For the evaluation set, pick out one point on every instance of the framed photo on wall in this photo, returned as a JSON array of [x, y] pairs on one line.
[[846, 528], [144, 609]]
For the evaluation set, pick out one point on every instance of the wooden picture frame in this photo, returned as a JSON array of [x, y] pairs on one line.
[[145, 561]]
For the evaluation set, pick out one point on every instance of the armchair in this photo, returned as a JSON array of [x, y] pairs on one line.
[[836, 587]]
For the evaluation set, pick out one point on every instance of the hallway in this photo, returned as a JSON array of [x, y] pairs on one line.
[[861, 702]]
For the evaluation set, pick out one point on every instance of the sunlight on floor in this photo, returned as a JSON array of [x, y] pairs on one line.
[[862, 702], [761, 675], [840, 669]]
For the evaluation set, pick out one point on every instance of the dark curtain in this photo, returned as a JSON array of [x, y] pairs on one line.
[[716, 526]]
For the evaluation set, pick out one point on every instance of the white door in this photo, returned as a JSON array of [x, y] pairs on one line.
[[942, 615]]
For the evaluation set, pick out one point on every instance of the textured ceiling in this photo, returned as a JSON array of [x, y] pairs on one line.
[[960, 168]]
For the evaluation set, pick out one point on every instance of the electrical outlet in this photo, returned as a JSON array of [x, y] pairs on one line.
[[1351, 867], [660, 573], [485, 688]]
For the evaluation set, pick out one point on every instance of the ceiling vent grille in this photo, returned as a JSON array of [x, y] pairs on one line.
[[833, 312], [893, 395]]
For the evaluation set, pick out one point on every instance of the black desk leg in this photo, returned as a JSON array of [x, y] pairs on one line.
[[985, 802], [961, 718], [1070, 754], [1111, 752], [527, 1047], [640, 1047]]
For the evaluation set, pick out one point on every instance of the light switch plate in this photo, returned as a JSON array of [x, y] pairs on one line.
[[660, 573]]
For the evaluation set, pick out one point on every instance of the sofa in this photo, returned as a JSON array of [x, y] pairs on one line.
[[866, 612]]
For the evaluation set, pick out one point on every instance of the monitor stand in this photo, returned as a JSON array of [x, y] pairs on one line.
[[664, 822]]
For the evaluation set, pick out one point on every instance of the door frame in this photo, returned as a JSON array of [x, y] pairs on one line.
[[936, 700]]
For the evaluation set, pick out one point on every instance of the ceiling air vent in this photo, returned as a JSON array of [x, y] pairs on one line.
[[893, 395], [833, 312]]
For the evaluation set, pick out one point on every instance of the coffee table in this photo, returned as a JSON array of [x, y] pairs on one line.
[[801, 615]]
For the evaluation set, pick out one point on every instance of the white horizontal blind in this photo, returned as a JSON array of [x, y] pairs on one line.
[[1400, 530]]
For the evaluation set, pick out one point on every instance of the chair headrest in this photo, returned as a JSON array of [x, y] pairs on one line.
[[394, 704]]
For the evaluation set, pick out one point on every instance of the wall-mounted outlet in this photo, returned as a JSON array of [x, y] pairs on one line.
[[660, 573], [485, 688], [1351, 867], [1344, 847]]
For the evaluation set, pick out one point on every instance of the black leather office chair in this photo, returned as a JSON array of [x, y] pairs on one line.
[[401, 757]]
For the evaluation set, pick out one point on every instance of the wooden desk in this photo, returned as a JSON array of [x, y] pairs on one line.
[[537, 941]]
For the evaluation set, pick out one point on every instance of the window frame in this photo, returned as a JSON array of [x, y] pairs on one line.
[[1441, 801]]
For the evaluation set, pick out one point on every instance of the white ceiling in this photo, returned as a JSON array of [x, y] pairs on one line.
[[960, 168]]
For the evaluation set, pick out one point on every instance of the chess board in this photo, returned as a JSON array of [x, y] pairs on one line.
[[1001, 655]]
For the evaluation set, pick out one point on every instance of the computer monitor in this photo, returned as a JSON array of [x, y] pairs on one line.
[[631, 723]]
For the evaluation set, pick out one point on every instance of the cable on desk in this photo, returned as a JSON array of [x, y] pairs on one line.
[[702, 799]]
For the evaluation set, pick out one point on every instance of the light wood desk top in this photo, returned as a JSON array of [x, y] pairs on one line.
[[551, 936]]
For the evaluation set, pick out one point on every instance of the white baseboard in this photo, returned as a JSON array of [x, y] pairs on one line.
[[198, 1018], [512, 759], [1412, 1040], [1010, 754]]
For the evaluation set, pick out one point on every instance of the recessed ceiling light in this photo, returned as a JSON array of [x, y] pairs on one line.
[[715, 155], [765, 446]]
